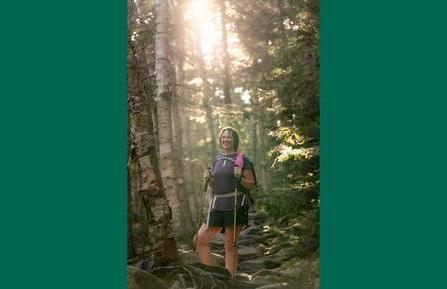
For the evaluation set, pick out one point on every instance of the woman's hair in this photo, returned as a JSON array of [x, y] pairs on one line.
[[234, 134]]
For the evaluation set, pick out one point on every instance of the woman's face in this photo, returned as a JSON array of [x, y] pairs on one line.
[[226, 141]]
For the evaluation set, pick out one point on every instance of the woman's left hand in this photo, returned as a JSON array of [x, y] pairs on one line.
[[248, 180]]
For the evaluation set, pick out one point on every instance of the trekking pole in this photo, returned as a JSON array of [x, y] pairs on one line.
[[202, 204], [234, 233], [237, 176]]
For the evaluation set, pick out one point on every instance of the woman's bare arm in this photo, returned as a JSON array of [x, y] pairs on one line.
[[248, 179]]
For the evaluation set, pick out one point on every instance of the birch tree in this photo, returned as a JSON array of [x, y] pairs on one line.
[[164, 79], [145, 183]]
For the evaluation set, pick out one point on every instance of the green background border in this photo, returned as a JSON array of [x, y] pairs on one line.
[[383, 144], [63, 148]]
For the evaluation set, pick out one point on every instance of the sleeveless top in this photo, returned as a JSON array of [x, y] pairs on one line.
[[224, 183]]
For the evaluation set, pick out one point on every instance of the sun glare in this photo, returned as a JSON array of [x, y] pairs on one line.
[[204, 21]]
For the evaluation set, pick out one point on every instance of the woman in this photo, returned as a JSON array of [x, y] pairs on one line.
[[223, 178]]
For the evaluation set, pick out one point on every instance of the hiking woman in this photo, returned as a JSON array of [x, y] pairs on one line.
[[226, 180]]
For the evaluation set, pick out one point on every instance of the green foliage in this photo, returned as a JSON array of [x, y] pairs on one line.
[[279, 126], [303, 233], [282, 36]]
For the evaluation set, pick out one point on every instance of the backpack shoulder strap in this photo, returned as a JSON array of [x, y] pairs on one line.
[[239, 160]]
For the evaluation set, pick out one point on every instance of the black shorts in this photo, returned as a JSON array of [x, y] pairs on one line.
[[226, 218]]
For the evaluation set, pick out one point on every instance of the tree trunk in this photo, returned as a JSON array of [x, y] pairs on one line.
[[260, 142], [132, 174], [143, 170], [208, 92], [131, 177], [160, 237], [179, 119], [164, 79], [226, 56], [255, 126]]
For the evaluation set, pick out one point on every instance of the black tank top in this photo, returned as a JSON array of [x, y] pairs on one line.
[[224, 181]]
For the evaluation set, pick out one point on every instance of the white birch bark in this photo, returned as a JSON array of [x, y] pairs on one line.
[[164, 70], [143, 169]]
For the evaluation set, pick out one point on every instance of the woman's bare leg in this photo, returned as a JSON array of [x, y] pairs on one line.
[[205, 235], [230, 263]]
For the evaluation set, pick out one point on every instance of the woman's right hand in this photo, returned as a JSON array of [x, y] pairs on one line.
[[207, 176]]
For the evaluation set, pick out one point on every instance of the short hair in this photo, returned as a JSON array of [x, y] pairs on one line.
[[234, 134]]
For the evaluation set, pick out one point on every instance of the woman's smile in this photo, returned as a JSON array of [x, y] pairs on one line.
[[227, 141]]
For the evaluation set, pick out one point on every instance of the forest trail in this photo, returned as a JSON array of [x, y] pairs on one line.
[[266, 261], [250, 65]]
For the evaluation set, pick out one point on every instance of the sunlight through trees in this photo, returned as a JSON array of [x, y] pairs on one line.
[[200, 65]]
